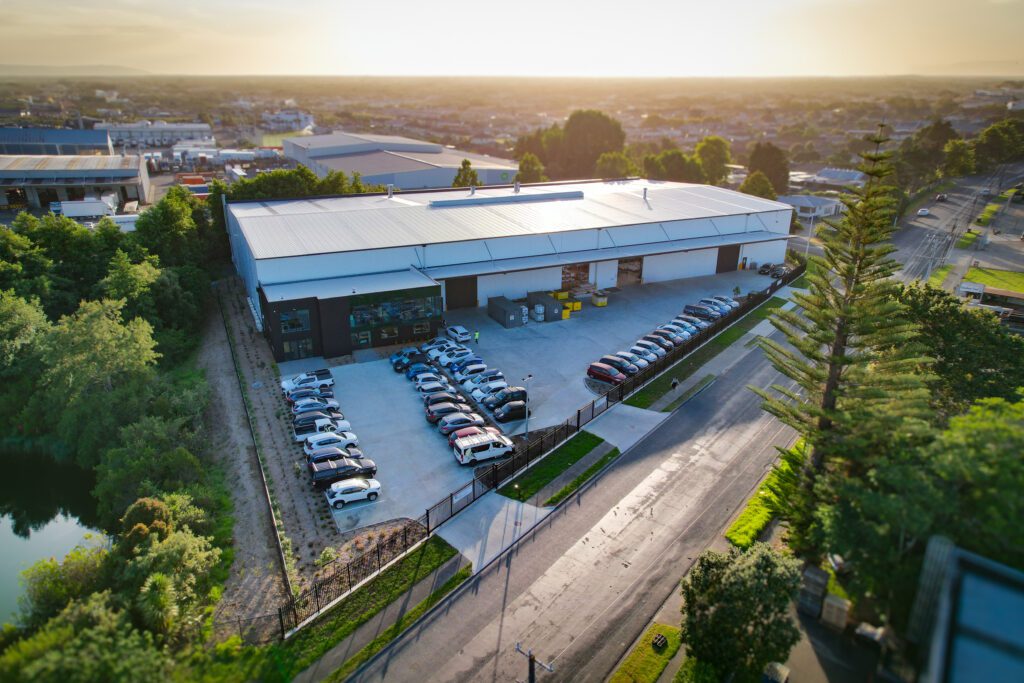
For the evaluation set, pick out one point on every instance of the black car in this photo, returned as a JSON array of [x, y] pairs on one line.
[[442, 397], [334, 453], [403, 363], [702, 312], [660, 341], [306, 392], [503, 396], [513, 410], [327, 472], [780, 270], [765, 268], [311, 418]]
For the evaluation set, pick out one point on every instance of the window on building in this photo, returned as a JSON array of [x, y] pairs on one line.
[[294, 349], [421, 329], [403, 307], [295, 321]]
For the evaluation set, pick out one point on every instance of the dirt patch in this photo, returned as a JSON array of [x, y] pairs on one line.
[[255, 587]]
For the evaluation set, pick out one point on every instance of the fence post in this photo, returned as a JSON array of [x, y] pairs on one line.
[[240, 634], [405, 537], [280, 619], [428, 521], [378, 557], [348, 572], [316, 594]]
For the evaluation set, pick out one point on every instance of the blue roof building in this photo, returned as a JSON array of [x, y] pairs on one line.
[[54, 141]]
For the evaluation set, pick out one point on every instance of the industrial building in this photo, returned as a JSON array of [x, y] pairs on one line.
[[391, 160], [56, 141], [326, 276], [36, 181], [155, 133]]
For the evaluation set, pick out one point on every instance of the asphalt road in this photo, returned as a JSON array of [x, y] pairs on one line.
[[580, 588]]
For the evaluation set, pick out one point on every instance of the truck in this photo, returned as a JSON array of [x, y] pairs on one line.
[[317, 379], [84, 208], [322, 426]]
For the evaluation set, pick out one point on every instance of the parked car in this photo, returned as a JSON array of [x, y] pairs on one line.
[[325, 426], [685, 324], [404, 353], [672, 338], [620, 364], [439, 410], [479, 447], [299, 394], [337, 439], [451, 357], [765, 268], [426, 378], [327, 472], [780, 270], [502, 397], [702, 312], [311, 418], [443, 397], [332, 453], [630, 357], [923, 212], [463, 362], [405, 362], [729, 301], [434, 343], [455, 421], [318, 379], [651, 346], [513, 410], [434, 387], [417, 369], [487, 388], [677, 330], [488, 375], [348, 491], [941, 197], [693, 320], [310, 405], [602, 372], [646, 354], [470, 431], [451, 347], [458, 333], [468, 371], [724, 309]]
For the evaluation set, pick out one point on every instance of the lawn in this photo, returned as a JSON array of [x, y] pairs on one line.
[[571, 487], [1000, 279], [646, 662], [287, 659], [987, 213], [938, 275], [277, 139], [967, 239], [758, 513], [553, 464], [801, 282], [686, 367]]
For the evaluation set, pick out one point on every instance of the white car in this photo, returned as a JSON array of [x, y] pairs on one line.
[[449, 357], [352, 491], [651, 347], [923, 212], [337, 440], [469, 371], [478, 447], [488, 388], [434, 388], [728, 301], [487, 376], [438, 351], [644, 354], [632, 358], [426, 378], [319, 379], [458, 333]]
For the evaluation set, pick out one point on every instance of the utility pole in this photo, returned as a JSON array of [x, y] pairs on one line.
[[550, 668], [526, 385]]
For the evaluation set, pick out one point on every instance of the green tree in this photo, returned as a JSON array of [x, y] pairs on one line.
[[852, 351], [169, 230], [531, 170], [126, 473], [681, 168], [132, 283], [48, 585], [714, 156], [466, 176], [920, 156], [653, 168], [587, 135], [1001, 142], [614, 165], [736, 610], [773, 163], [24, 267], [758, 185], [958, 159]]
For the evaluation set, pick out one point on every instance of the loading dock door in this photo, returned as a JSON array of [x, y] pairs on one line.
[[460, 292], [630, 272], [728, 258]]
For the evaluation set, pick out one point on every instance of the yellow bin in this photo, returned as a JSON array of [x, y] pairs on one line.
[[561, 296], [565, 313]]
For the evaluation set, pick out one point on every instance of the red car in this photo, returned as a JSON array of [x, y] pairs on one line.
[[605, 373], [471, 431]]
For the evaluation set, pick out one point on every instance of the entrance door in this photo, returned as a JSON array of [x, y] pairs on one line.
[[728, 258], [460, 292], [631, 271], [294, 349]]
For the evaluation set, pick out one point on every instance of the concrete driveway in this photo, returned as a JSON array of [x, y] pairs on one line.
[[557, 353]]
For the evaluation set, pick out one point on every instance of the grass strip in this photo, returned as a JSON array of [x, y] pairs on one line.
[[287, 659], [393, 631], [646, 662], [938, 275], [571, 487], [967, 239], [987, 213], [542, 473], [686, 367], [999, 279], [758, 513], [689, 393]]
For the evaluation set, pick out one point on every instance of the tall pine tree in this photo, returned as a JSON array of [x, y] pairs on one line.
[[851, 351]]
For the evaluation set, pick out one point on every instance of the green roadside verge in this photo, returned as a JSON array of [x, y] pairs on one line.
[[689, 393], [686, 367], [285, 660], [523, 487], [998, 279], [967, 239], [938, 275], [393, 631], [759, 510], [571, 487], [646, 661]]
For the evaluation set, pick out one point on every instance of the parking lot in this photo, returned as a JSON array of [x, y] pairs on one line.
[[416, 467]]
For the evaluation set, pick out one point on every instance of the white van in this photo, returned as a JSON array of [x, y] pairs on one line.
[[470, 449]]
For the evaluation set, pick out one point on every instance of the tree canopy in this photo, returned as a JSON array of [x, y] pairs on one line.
[[614, 165], [771, 161], [714, 155], [531, 170], [466, 176], [572, 151], [758, 185]]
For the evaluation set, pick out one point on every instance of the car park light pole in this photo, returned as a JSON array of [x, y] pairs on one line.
[[533, 664], [526, 384]]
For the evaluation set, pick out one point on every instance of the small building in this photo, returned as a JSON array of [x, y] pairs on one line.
[[391, 160], [155, 133], [838, 178], [36, 181], [810, 206], [54, 141], [288, 119], [329, 275]]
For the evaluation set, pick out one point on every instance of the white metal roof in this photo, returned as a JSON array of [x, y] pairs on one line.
[[275, 229], [347, 286]]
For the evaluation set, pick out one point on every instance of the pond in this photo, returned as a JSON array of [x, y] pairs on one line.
[[46, 509]]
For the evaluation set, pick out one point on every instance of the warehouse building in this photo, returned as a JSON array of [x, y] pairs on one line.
[[155, 133], [326, 276], [36, 181], [54, 141], [391, 160]]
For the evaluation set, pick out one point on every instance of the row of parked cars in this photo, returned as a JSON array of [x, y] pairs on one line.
[[775, 270], [330, 447], [694, 318]]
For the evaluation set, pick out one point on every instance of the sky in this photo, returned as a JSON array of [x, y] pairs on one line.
[[654, 38]]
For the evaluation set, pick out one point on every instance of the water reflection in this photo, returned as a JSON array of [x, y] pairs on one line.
[[34, 489]]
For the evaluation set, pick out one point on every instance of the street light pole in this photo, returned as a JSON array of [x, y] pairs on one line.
[[532, 671], [526, 384], [810, 233]]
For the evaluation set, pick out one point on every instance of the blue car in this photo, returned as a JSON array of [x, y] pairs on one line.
[[702, 312], [462, 363], [404, 353], [417, 369], [693, 320], [715, 305]]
